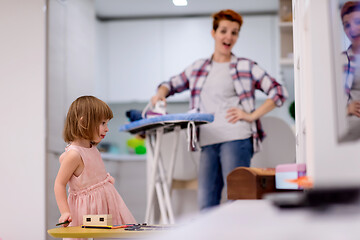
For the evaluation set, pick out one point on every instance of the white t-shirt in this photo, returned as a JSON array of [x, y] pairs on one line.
[[216, 97]]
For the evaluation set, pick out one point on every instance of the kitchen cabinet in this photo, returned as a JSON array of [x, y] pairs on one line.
[[142, 53], [185, 40], [134, 59]]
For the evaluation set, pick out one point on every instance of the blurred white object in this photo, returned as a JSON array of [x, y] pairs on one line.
[[240, 220], [278, 146]]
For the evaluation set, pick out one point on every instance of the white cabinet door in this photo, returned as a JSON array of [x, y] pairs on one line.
[[135, 59], [185, 41]]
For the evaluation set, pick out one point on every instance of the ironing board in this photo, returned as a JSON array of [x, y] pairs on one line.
[[159, 181]]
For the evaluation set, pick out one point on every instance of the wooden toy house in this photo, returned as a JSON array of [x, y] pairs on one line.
[[97, 220]]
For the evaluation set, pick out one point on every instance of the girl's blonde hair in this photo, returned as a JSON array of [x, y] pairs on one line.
[[84, 117]]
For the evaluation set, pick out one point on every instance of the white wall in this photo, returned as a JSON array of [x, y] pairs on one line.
[[71, 73], [329, 162], [299, 79], [22, 139]]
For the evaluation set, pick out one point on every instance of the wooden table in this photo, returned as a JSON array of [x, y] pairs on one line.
[[79, 232]]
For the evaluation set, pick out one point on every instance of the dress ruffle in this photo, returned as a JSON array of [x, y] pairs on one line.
[[101, 198], [87, 190]]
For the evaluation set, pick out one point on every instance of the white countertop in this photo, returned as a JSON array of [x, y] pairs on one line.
[[260, 219]]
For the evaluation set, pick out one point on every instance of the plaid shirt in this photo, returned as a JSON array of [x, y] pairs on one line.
[[247, 77], [348, 70]]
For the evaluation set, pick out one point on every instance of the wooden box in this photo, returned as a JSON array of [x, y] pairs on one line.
[[250, 183], [97, 220]]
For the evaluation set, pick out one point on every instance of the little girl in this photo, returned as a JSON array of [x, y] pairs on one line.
[[91, 189]]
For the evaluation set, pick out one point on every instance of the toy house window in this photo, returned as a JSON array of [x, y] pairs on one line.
[[88, 219], [101, 219]]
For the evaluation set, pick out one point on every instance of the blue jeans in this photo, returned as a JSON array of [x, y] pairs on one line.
[[216, 162]]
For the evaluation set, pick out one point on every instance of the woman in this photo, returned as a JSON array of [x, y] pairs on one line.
[[350, 16], [225, 86]]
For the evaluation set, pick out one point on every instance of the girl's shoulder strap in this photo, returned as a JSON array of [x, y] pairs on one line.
[[78, 149], [71, 146], [67, 149]]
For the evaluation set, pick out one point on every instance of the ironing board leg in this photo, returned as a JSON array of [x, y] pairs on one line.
[[154, 166], [173, 156], [164, 217], [149, 161], [166, 195], [158, 180]]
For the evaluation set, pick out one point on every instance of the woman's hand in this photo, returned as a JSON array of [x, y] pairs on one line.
[[235, 114], [161, 94], [157, 98], [354, 108], [65, 217]]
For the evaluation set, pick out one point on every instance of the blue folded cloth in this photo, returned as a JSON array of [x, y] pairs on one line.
[[134, 115]]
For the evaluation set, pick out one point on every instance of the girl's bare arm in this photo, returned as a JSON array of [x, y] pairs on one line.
[[70, 162]]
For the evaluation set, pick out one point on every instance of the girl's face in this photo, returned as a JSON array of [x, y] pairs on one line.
[[225, 37], [103, 129], [351, 24]]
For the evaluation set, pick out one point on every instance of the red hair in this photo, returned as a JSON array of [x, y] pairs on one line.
[[350, 7], [227, 14]]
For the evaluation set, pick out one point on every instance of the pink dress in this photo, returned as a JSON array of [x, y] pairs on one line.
[[93, 192]]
